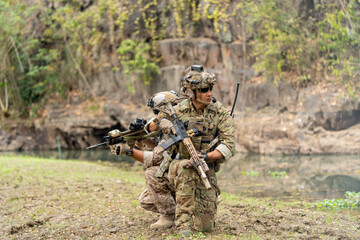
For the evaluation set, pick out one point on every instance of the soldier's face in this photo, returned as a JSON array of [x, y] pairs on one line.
[[205, 94]]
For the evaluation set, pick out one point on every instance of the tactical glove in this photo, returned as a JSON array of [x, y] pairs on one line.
[[165, 125], [119, 148]]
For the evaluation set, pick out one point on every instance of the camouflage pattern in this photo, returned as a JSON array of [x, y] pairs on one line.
[[160, 101], [213, 121], [194, 80], [159, 197], [196, 206]]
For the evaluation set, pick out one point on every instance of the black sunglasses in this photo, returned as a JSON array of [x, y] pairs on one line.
[[205, 90]]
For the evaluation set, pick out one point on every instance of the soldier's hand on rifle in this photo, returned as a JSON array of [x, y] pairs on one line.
[[119, 148], [165, 125]]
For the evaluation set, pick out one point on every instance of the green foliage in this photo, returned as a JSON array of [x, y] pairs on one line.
[[135, 58], [37, 63], [251, 173], [340, 43], [30, 70], [277, 174], [351, 201], [197, 235], [230, 198], [323, 45]]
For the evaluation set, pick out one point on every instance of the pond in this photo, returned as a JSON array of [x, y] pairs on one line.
[[310, 178]]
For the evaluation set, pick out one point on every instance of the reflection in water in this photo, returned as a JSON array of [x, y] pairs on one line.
[[307, 177], [311, 177]]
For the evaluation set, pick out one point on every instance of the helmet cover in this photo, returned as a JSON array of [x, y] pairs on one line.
[[158, 102]]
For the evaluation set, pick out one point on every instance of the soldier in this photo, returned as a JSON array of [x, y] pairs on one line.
[[196, 205], [159, 196]]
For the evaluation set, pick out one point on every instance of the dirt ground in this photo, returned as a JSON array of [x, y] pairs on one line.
[[52, 199]]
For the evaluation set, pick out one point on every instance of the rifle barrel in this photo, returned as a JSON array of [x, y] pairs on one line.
[[96, 145]]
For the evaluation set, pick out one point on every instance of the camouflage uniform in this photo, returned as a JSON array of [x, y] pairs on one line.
[[196, 206], [159, 195]]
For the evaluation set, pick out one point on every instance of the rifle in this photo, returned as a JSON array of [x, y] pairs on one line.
[[121, 137], [179, 133], [136, 131]]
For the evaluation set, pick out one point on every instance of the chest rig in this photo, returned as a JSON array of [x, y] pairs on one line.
[[204, 121]]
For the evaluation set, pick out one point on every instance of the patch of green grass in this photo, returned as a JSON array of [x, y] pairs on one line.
[[251, 173], [351, 201], [277, 174], [252, 237], [230, 198]]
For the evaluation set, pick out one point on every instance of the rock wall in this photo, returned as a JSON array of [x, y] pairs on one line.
[[310, 121], [223, 59], [273, 119], [270, 118]]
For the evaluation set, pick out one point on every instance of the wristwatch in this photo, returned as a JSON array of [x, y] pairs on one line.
[[129, 151]]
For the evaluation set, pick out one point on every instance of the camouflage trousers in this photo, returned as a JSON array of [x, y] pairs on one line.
[[159, 195], [196, 206]]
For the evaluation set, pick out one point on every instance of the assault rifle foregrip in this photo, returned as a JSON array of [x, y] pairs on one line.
[[194, 157]]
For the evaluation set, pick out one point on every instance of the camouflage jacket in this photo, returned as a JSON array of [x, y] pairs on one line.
[[215, 125]]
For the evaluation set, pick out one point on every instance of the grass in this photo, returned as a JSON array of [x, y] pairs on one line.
[[251, 173], [62, 199], [277, 174], [351, 201]]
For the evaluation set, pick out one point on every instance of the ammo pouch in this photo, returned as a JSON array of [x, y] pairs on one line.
[[164, 165]]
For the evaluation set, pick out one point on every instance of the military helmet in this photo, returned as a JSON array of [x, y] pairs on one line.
[[159, 101], [195, 78]]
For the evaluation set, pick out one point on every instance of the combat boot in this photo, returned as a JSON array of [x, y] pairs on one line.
[[164, 222]]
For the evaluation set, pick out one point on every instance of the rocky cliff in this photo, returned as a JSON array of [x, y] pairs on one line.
[[270, 117]]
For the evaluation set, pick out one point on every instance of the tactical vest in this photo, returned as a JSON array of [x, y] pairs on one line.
[[206, 122]]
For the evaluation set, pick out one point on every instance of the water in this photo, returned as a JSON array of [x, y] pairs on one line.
[[310, 178]]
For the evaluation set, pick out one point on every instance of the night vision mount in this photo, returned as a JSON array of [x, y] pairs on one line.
[[197, 68]]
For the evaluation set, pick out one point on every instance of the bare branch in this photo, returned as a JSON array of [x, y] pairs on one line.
[[17, 54]]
